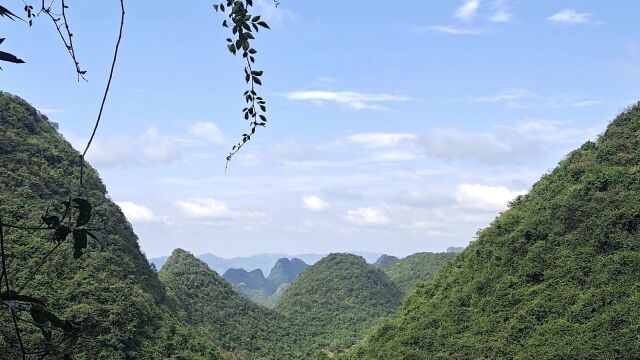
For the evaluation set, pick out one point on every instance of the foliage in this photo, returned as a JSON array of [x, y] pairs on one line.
[[111, 294], [338, 299], [243, 26], [240, 327], [553, 277], [417, 268]]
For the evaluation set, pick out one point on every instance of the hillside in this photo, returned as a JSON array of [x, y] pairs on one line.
[[554, 277], [385, 261], [416, 268], [240, 327], [114, 294], [338, 299]]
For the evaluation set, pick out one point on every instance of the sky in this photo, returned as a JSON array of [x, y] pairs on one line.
[[393, 127]]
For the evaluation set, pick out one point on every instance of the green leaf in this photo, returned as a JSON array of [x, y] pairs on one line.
[[264, 24]]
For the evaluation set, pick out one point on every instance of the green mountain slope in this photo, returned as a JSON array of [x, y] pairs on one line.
[[123, 309], [338, 299], [285, 271], [242, 328], [417, 268], [557, 276], [385, 261]]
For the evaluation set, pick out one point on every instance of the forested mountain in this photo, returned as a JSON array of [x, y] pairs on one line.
[[265, 291], [285, 271], [241, 328], [416, 268], [113, 294], [386, 261], [338, 299], [554, 277], [251, 279]]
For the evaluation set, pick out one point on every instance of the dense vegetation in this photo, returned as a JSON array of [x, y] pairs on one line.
[[417, 268], [240, 327], [386, 261], [554, 277], [338, 299], [123, 309]]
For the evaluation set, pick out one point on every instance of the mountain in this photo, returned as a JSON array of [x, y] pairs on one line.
[[285, 271], [113, 294], [385, 261], [265, 291], [416, 268], [453, 249], [556, 276], [250, 279], [338, 299], [242, 329]]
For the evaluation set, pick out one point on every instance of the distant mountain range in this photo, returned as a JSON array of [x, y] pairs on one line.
[[264, 262], [262, 290]]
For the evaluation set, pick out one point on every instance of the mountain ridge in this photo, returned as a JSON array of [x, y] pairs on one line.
[[553, 277]]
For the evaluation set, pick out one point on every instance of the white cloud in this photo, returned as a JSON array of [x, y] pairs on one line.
[[364, 216], [49, 111], [501, 16], [511, 98], [452, 144], [272, 14], [348, 99], [485, 198], [393, 156], [207, 131], [586, 103], [214, 212], [207, 208], [314, 203], [570, 16], [501, 13], [149, 148], [468, 10], [522, 98], [380, 140], [136, 213], [551, 131], [451, 30]]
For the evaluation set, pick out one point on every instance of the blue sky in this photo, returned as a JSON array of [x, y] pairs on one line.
[[393, 128]]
